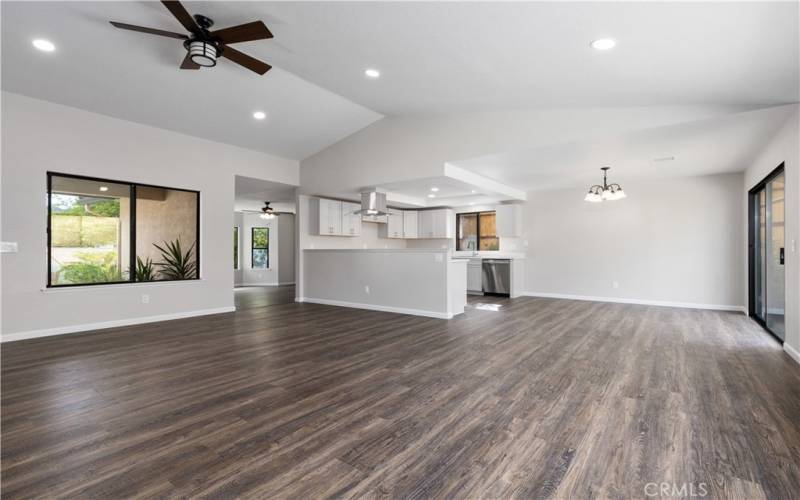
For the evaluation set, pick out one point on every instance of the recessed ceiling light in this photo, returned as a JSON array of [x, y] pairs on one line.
[[473, 191], [603, 44], [471, 203], [434, 189], [44, 45], [431, 195], [259, 115], [372, 73], [104, 188]]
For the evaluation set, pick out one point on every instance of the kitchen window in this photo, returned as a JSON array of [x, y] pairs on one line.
[[102, 231], [259, 248], [477, 231]]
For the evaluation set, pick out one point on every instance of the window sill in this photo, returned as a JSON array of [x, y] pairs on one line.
[[60, 289]]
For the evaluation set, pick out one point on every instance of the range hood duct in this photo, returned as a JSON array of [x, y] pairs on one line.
[[372, 203]]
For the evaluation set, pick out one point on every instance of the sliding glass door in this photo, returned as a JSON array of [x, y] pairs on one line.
[[767, 252]]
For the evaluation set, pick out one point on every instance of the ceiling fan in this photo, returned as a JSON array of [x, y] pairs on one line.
[[267, 212], [203, 47]]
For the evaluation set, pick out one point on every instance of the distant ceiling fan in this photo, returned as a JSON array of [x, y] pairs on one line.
[[267, 212], [203, 46]]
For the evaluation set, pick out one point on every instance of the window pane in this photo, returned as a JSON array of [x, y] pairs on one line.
[[488, 226], [467, 232], [235, 247], [89, 231], [260, 237], [166, 233], [260, 258], [488, 231]]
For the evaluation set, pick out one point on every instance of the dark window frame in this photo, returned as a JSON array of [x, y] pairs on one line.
[[477, 229], [237, 249], [254, 247], [132, 263]]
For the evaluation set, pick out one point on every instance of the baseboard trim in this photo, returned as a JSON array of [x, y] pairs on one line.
[[662, 303], [792, 352], [49, 332], [262, 283], [373, 307]]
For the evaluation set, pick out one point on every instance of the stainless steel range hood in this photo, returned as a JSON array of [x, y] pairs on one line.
[[372, 203]]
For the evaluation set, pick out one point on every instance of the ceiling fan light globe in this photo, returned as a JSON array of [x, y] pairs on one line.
[[203, 54]]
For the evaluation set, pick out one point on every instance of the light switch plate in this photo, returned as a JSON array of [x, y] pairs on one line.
[[8, 247]]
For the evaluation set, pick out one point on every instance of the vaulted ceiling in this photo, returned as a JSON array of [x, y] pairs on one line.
[[434, 58]]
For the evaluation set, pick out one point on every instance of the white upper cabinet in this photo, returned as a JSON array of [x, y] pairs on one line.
[[394, 226], [437, 223], [351, 222], [509, 221], [327, 217], [410, 223]]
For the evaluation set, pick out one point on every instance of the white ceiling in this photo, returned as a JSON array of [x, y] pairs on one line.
[[442, 57], [135, 76], [250, 194], [726, 144]]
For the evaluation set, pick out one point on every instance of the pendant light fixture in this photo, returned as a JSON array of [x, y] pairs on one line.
[[267, 212], [605, 192]]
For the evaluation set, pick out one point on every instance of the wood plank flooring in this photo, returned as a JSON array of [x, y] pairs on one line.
[[543, 398]]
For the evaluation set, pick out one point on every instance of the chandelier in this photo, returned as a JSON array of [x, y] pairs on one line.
[[607, 191]]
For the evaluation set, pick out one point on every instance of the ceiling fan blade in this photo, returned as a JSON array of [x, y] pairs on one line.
[[256, 30], [182, 15], [188, 63], [151, 31], [248, 62]]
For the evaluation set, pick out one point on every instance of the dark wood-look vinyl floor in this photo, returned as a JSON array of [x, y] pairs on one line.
[[541, 398]]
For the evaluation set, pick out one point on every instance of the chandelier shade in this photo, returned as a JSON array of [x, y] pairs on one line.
[[606, 192]]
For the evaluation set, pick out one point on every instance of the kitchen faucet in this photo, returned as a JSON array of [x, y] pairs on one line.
[[471, 246]]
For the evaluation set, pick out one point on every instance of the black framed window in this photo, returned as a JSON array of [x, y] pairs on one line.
[[236, 247], [477, 231], [259, 248], [102, 231]]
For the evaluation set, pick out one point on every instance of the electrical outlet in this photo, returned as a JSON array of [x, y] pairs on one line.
[[366, 289], [615, 284], [9, 247], [145, 298]]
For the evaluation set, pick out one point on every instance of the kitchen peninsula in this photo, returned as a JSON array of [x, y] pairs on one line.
[[423, 282]]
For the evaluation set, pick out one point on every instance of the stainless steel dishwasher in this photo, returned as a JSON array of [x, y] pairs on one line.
[[497, 276]]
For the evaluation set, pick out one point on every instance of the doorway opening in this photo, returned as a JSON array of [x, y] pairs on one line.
[[263, 243], [766, 253]]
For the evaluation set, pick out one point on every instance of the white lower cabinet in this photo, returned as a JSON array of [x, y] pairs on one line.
[[474, 275]]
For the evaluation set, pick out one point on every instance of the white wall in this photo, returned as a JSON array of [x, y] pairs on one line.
[[286, 251], [784, 148], [38, 136], [675, 241], [252, 276]]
